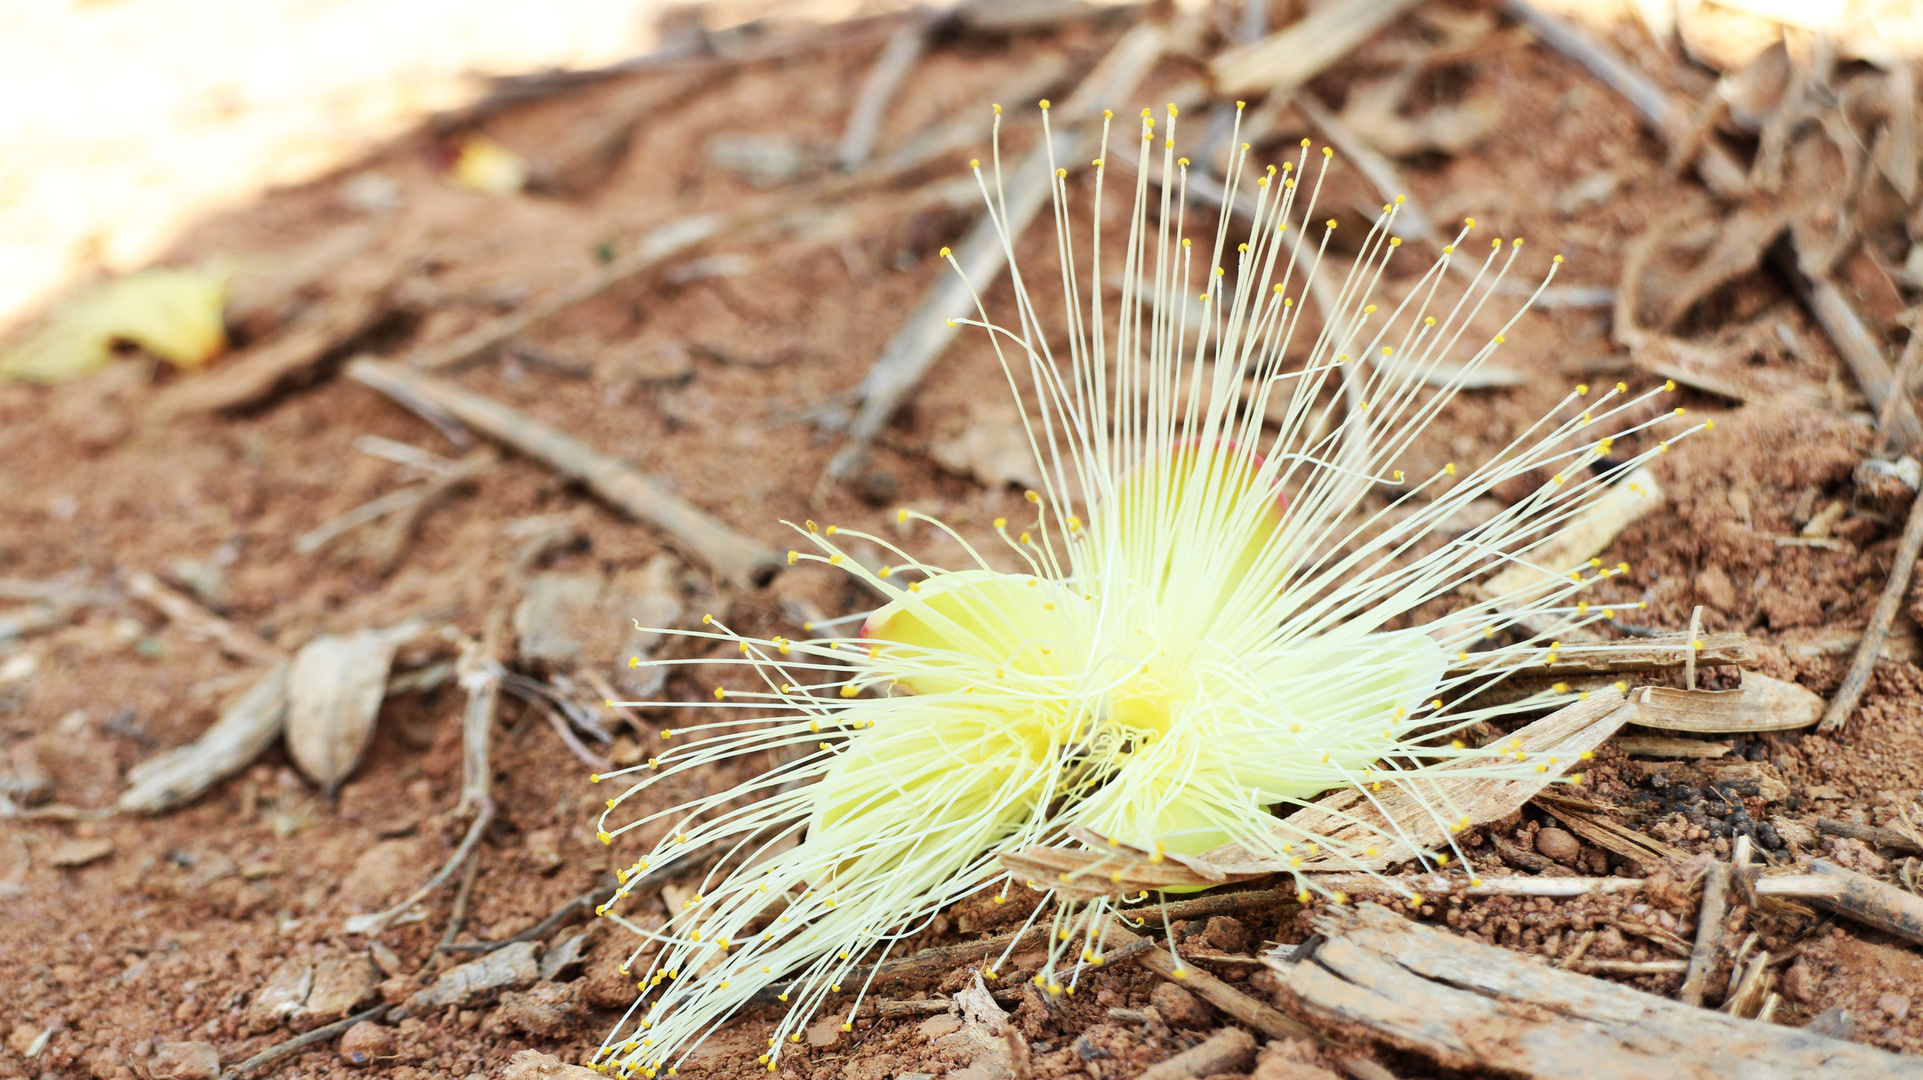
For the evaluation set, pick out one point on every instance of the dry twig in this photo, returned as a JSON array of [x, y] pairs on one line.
[[299, 1042], [1230, 1050], [732, 555], [1871, 835], [982, 253], [1719, 172], [1858, 346], [1898, 585], [897, 59], [375, 923], [1239, 1006], [199, 622], [1286, 60]]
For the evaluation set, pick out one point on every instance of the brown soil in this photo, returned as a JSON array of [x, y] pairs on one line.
[[172, 935]]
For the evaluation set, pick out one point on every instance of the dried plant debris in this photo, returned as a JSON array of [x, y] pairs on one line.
[[245, 729], [334, 692], [1406, 982]]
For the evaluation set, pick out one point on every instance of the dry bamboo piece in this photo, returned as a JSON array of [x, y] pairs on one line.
[[1650, 654], [1477, 1007], [1239, 1006], [1762, 703], [1286, 60], [1871, 902], [981, 255], [199, 622], [1709, 933], [1864, 664], [1871, 835], [1719, 172], [731, 555]]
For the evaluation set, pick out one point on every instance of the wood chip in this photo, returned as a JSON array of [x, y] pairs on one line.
[[245, 730], [80, 851], [334, 692], [509, 968], [1472, 1006], [1762, 703]]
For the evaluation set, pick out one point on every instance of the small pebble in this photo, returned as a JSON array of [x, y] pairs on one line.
[[1796, 982], [1894, 1006], [1226, 934], [1554, 843], [937, 1026], [365, 1043], [1180, 1008], [185, 1061]]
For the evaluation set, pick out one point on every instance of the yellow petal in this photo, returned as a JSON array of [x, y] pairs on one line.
[[961, 627]]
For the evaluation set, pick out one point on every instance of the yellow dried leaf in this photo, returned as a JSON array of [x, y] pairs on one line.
[[174, 314], [486, 165]]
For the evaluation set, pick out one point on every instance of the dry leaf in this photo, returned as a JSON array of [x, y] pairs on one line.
[[173, 314], [486, 165], [334, 693], [246, 728], [1760, 704]]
